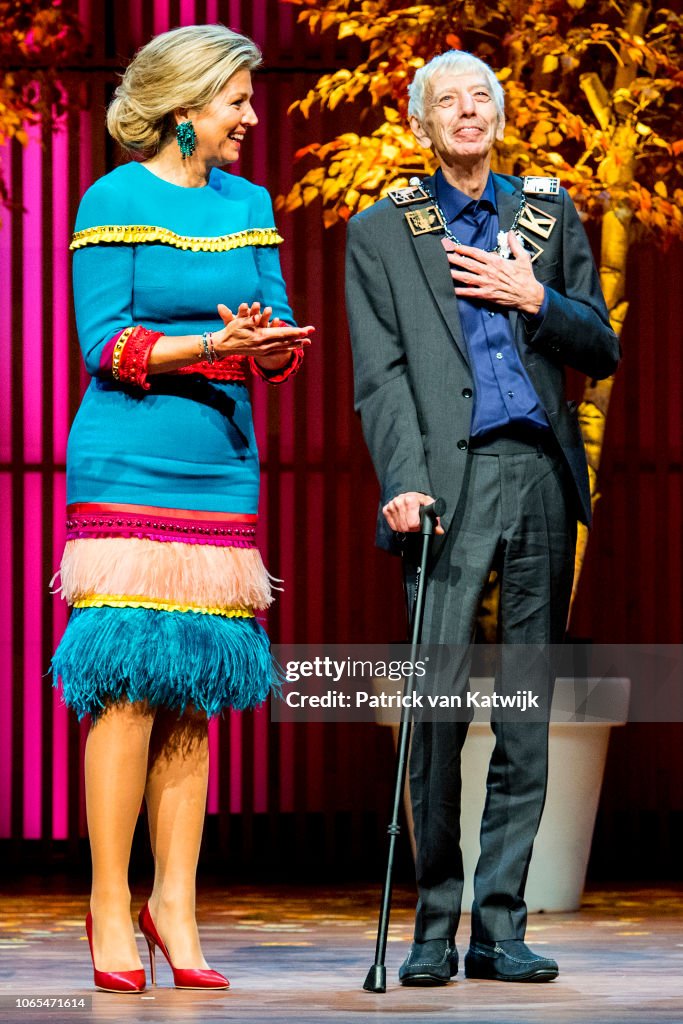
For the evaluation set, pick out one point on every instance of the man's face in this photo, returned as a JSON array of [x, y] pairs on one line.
[[461, 122]]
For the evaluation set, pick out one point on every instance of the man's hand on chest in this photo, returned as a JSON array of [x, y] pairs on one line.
[[486, 276]]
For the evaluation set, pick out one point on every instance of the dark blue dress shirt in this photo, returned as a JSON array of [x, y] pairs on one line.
[[503, 394]]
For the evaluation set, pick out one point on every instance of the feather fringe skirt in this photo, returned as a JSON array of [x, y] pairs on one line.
[[170, 659], [166, 622], [198, 575]]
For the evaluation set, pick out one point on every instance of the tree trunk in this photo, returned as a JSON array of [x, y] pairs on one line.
[[593, 409]]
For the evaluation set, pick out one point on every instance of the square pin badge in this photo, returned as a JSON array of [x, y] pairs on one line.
[[534, 185]]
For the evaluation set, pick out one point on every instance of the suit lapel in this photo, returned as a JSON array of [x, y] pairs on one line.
[[508, 198], [433, 260]]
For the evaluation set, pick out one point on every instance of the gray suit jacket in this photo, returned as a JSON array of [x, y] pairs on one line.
[[411, 369]]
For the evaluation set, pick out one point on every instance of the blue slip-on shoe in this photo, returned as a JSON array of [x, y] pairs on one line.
[[508, 960], [433, 962]]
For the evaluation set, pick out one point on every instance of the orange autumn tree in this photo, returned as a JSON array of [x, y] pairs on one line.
[[594, 96], [38, 38]]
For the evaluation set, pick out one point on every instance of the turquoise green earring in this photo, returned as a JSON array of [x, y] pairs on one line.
[[187, 138]]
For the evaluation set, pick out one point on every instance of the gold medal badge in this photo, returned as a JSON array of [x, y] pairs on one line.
[[538, 222], [425, 220]]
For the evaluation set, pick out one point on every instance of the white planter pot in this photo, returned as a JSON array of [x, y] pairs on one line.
[[557, 873]]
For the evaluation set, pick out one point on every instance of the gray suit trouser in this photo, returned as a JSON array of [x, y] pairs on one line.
[[515, 515]]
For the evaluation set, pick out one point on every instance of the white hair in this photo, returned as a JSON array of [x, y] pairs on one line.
[[460, 62]]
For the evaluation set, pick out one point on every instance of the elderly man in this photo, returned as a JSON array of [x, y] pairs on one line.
[[467, 296]]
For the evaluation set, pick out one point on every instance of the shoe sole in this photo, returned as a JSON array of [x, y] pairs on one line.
[[202, 988], [424, 980], [121, 991], [540, 975]]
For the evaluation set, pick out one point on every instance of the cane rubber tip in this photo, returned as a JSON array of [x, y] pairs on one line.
[[376, 980]]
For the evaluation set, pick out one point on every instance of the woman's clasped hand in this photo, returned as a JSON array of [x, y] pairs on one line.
[[254, 332]]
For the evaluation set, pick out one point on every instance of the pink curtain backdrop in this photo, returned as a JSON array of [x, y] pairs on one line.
[[318, 490]]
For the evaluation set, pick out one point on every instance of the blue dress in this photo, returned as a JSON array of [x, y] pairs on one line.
[[160, 564]]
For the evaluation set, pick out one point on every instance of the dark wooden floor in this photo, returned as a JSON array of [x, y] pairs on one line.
[[302, 954]]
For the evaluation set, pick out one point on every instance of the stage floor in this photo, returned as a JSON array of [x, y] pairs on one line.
[[301, 954]]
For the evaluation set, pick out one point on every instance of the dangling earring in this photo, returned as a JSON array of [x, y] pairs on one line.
[[187, 138]]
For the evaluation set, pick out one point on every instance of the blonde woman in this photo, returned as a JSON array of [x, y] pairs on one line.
[[179, 296]]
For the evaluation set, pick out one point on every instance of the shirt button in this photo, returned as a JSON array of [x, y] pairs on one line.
[[467, 392], [462, 445], [491, 313], [499, 355], [511, 394]]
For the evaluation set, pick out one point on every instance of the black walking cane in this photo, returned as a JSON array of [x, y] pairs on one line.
[[376, 980]]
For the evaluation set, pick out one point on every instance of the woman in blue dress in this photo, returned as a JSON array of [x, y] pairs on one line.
[[179, 296]]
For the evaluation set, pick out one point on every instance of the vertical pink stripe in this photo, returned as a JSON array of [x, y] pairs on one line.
[[292, 393], [60, 714], [259, 407], [319, 367], [6, 618], [84, 729], [261, 152], [315, 759], [135, 24], [286, 778], [212, 12], [161, 16], [235, 12], [258, 29], [316, 539], [213, 803], [188, 14], [262, 525], [33, 667], [6, 318], [85, 15], [61, 288], [286, 19], [344, 621], [261, 722], [289, 395], [86, 180], [235, 762], [85, 151], [31, 347], [286, 565]]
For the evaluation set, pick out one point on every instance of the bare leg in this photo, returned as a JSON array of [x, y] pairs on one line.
[[115, 771], [176, 804]]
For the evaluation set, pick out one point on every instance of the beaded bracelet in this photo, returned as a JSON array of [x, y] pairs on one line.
[[208, 349]]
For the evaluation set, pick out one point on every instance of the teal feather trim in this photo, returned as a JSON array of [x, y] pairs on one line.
[[171, 659]]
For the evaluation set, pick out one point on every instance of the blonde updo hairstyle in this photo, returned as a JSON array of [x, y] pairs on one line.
[[186, 67]]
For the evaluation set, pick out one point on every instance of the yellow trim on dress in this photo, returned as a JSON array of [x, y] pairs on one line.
[[135, 601], [132, 234]]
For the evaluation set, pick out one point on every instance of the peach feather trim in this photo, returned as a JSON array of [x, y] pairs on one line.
[[203, 575]]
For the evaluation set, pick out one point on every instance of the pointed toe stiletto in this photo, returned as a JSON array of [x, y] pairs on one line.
[[114, 981], [183, 977]]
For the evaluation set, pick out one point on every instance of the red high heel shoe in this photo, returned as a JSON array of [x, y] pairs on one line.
[[114, 981], [183, 977]]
